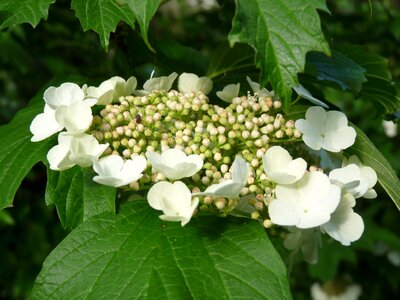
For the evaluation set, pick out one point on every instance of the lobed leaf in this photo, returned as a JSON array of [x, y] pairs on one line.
[[23, 11], [371, 156], [102, 16], [135, 255], [281, 32]]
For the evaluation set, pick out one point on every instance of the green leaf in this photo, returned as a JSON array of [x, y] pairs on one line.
[[23, 11], [17, 153], [144, 11], [76, 196], [336, 68], [102, 16], [281, 32], [135, 255], [379, 88], [372, 157]]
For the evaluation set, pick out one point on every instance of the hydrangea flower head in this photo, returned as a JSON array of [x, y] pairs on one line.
[[327, 130], [281, 168], [174, 199], [305, 204]]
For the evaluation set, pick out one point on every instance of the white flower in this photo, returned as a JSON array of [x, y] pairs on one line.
[[390, 128], [110, 90], [256, 89], [352, 292], [174, 199], [65, 108], [174, 163], [229, 92], [66, 94], [189, 82], [306, 240], [79, 149], [280, 167], [345, 225], [44, 125], [158, 83], [327, 130], [230, 188], [368, 179], [114, 171], [305, 204]]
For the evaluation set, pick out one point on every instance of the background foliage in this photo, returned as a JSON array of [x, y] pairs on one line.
[[194, 39]]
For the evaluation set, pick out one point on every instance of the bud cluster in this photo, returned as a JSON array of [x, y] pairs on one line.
[[162, 120]]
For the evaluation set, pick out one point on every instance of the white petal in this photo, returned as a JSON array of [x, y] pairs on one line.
[[205, 85], [316, 116], [240, 170], [340, 139], [347, 177], [66, 94], [229, 92], [284, 212], [44, 125], [160, 83], [76, 118], [370, 194], [85, 149], [187, 82], [58, 158], [311, 134], [226, 189], [156, 192], [108, 166]]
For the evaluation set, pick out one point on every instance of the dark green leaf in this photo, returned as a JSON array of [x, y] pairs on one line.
[[76, 196], [144, 11], [371, 156], [281, 32], [336, 68], [137, 256], [17, 153], [15, 12], [102, 16], [379, 89]]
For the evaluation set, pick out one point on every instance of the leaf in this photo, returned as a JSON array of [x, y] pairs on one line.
[[144, 11], [226, 59], [281, 32], [372, 157], [336, 68], [135, 255], [379, 88], [76, 196], [17, 153], [23, 11], [102, 16]]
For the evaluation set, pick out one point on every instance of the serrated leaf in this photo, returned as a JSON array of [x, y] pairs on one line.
[[144, 11], [102, 16], [281, 32], [379, 88], [135, 255], [76, 196], [336, 68], [371, 156], [17, 153], [23, 11]]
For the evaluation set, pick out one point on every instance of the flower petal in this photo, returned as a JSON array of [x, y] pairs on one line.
[[44, 125], [229, 92], [66, 94], [58, 158], [76, 118]]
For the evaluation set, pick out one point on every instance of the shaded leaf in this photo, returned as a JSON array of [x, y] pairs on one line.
[[76, 196], [144, 10], [135, 255], [23, 11], [102, 16], [17, 153], [336, 68], [379, 89], [281, 32], [371, 156]]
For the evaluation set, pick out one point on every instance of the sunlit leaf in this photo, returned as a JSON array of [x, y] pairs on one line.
[[281, 32], [135, 255]]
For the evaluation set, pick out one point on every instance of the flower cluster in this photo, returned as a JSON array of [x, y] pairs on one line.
[[193, 157]]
